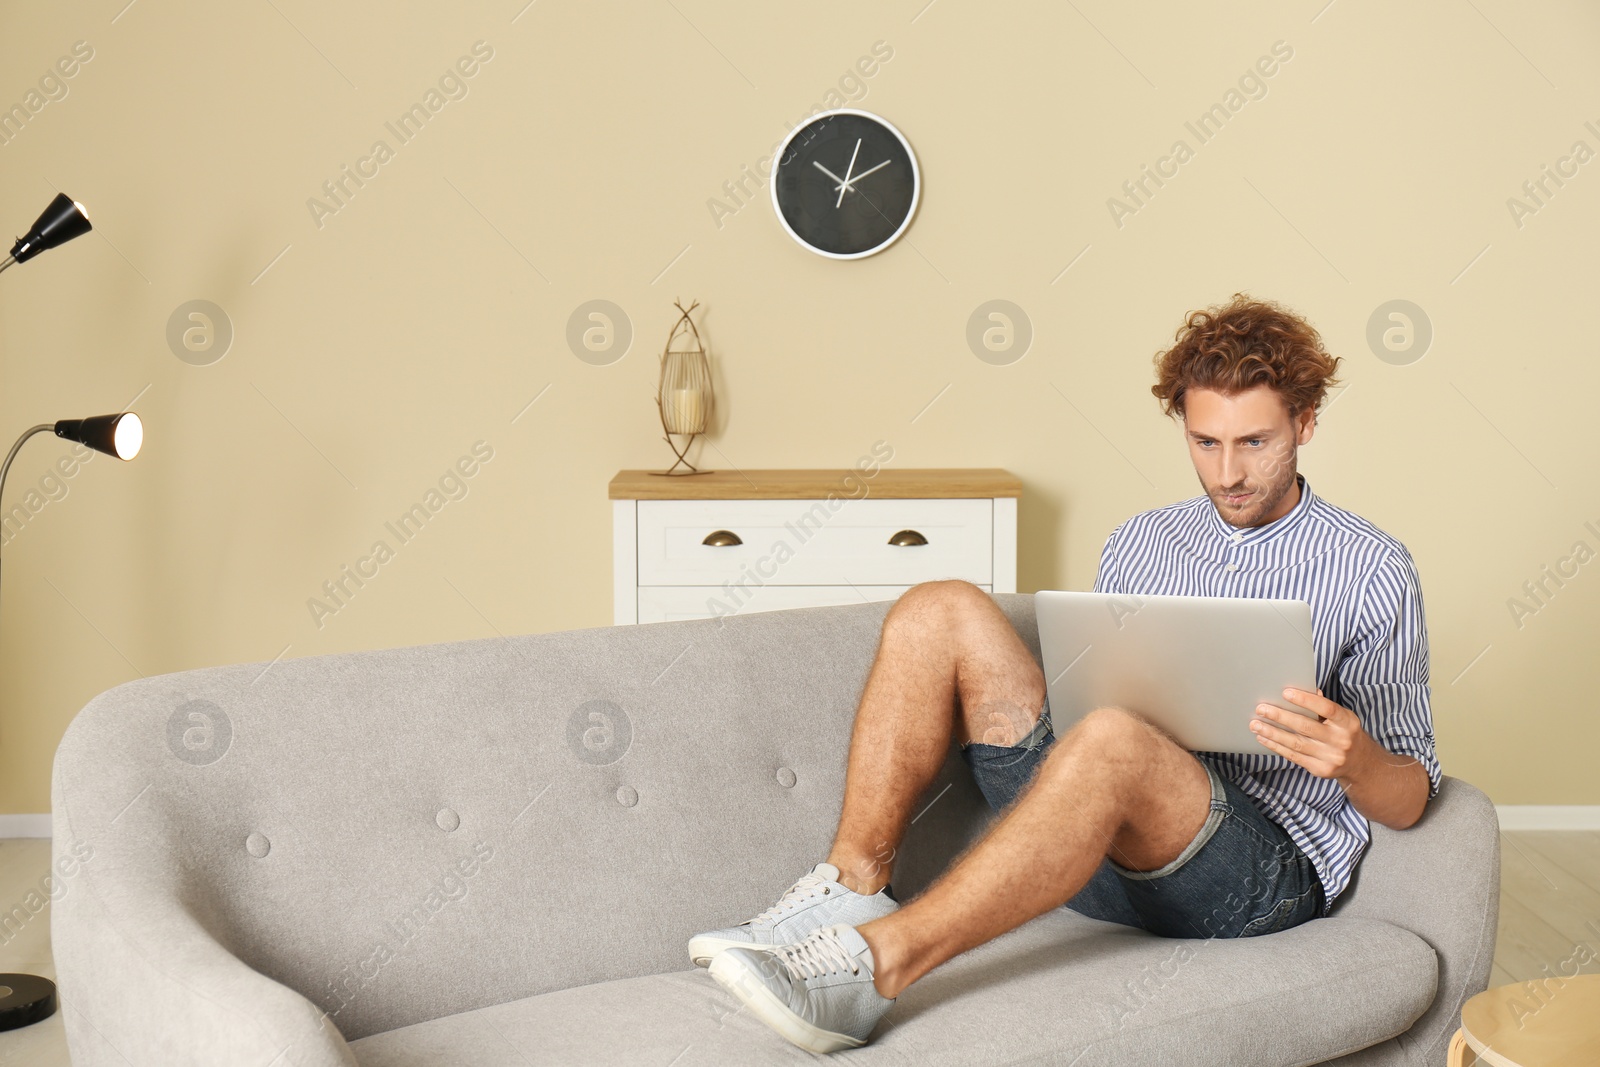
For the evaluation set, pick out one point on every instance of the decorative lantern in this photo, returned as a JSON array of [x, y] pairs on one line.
[[684, 394]]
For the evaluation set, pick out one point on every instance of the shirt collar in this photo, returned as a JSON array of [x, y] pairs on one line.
[[1275, 528]]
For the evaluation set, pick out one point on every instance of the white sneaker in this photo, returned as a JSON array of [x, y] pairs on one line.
[[818, 994], [815, 901]]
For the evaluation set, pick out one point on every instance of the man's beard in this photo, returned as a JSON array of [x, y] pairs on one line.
[[1263, 499]]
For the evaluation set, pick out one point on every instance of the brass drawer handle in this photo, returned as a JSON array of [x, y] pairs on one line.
[[722, 539], [907, 539]]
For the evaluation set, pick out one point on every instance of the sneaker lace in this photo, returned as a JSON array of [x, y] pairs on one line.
[[821, 953], [804, 889]]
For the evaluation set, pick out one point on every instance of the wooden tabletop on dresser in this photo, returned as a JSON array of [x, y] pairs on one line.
[[899, 484]]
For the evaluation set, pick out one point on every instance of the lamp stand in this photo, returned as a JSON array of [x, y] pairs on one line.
[[26, 998]]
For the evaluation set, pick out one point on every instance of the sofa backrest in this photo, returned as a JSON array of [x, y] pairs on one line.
[[404, 834]]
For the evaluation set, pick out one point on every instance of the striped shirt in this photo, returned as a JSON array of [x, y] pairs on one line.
[[1368, 630]]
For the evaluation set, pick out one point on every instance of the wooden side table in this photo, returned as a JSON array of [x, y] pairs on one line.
[[730, 542], [1552, 1022]]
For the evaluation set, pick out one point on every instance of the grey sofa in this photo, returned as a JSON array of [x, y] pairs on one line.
[[491, 852]]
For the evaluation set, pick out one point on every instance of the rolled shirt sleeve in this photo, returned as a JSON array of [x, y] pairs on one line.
[[1383, 676]]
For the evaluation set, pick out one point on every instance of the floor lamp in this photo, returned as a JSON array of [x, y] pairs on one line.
[[29, 998]]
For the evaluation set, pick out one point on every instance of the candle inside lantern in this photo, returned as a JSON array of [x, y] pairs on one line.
[[686, 411]]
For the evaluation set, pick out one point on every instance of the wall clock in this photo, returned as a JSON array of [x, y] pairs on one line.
[[845, 184]]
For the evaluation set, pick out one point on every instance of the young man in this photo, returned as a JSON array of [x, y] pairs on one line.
[[1114, 819]]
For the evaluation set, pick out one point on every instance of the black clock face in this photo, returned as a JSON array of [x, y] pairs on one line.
[[845, 184]]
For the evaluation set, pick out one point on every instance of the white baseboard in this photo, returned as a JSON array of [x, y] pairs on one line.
[[1548, 816], [25, 825]]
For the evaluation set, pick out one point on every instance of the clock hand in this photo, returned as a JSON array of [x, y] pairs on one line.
[[863, 174], [828, 172], [847, 171]]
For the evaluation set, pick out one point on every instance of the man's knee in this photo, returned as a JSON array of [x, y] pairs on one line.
[[936, 606], [946, 595], [1114, 736], [1113, 724], [1126, 756]]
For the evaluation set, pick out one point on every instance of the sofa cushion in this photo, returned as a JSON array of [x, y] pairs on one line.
[[1061, 989]]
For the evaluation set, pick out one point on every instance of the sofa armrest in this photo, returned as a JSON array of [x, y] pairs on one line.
[[1440, 879], [163, 990]]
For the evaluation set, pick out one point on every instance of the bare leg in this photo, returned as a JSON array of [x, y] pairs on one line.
[[1112, 783], [948, 660]]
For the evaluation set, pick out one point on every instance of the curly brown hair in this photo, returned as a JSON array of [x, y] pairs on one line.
[[1241, 345]]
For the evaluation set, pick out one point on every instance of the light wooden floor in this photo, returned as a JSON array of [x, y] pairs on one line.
[[1549, 904]]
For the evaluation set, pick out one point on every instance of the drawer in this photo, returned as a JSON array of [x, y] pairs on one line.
[[664, 603], [807, 542]]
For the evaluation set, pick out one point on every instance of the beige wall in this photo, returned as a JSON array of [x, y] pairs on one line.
[[428, 311]]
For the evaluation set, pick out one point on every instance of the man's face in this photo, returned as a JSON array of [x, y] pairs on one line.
[[1244, 448]]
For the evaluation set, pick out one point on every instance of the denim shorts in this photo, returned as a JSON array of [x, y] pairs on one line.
[[1241, 876]]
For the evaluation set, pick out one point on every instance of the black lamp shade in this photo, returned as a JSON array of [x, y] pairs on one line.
[[115, 435], [63, 220]]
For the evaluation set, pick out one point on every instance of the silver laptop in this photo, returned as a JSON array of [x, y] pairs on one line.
[[1194, 666]]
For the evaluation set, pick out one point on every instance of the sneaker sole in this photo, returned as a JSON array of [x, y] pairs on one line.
[[703, 949], [733, 976]]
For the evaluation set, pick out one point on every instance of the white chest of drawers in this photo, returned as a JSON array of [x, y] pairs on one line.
[[733, 542]]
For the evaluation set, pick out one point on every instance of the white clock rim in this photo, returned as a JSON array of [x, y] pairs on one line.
[[916, 183]]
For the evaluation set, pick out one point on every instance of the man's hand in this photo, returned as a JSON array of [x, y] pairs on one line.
[[1383, 787], [1329, 746]]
